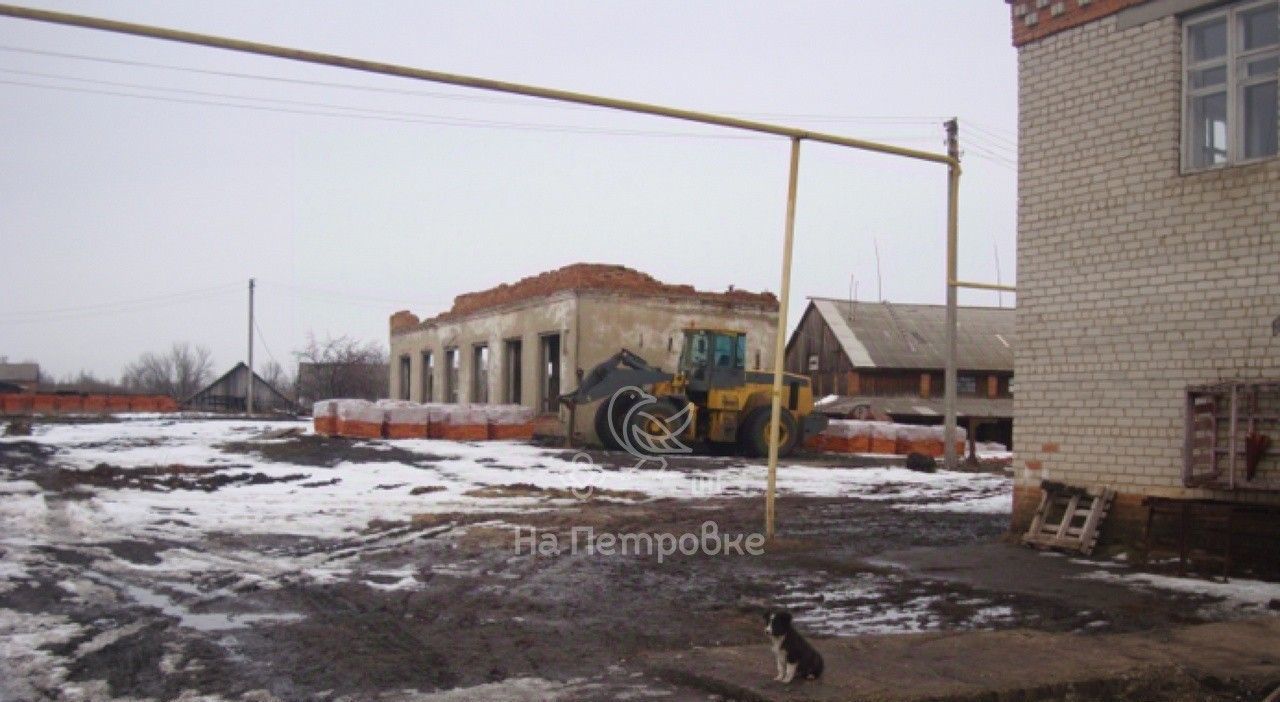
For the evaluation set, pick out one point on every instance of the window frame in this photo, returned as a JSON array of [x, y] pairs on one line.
[[1234, 86]]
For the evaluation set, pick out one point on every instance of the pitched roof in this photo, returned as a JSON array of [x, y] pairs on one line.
[[240, 369], [20, 372], [892, 335]]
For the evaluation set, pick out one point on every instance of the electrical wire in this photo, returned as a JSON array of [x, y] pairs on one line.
[[117, 303], [905, 120], [70, 315]]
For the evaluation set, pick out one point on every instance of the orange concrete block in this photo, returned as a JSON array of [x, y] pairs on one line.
[[164, 403], [326, 425], [465, 432], [142, 403], [117, 403], [859, 444], [15, 404], [95, 403], [511, 432], [883, 445], [68, 403], [414, 430], [43, 403], [360, 430]]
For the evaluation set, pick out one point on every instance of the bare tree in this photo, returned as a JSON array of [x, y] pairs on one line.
[[277, 377], [341, 367], [178, 373]]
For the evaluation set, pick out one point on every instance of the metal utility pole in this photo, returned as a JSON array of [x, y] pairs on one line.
[[248, 398], [953, 195], [780, 339]]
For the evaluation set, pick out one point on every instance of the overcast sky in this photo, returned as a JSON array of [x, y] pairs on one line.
[[128, 223]]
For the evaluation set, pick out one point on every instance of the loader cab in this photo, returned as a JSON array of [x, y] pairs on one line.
[[713, 358]]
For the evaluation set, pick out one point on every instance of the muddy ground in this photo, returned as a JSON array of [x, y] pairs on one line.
[[496, 617]]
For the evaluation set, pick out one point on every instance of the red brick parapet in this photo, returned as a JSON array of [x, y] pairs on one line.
[[595, 277], [1037, 19]]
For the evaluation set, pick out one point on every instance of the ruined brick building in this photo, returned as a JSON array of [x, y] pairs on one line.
[[523, 343], [1148, 250]]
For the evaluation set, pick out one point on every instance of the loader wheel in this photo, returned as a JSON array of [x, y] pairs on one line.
[[654, 423], [754, 434], [603, 421]]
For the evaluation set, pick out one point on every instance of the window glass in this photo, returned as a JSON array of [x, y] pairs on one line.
[[1263, 68], [1260, 120], [1209, 77], [724, 351], [740, 360], [698, 351], [1209, 129], [1260, 28], [1209, 40]]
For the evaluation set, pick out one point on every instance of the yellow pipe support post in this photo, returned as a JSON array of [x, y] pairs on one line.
[[780, 341]]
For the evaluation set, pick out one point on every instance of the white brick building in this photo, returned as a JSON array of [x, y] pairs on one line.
[[1149, 240]]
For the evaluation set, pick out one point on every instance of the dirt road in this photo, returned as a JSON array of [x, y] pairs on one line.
[[162, 559]]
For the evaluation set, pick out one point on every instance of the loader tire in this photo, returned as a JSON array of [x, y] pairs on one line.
[[603, 421], [754, 434], [649, 428]]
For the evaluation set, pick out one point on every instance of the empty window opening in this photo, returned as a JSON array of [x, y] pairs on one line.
[[428, 376], [511, 376], [480, 374], [549, 382], [451, 363], [403, 391]]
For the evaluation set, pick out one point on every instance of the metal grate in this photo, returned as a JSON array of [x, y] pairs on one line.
[[1231, 435]]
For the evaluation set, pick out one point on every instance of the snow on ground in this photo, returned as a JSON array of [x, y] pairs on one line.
[[302, 505], [335, 515], [1237, 596], [834, 605]]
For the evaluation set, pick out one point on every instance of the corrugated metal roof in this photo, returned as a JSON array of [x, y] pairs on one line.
[[20, 372], [892, 335]]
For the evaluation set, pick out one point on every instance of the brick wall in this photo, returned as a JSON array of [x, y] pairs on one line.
[[1134, 280], [1036, 19]]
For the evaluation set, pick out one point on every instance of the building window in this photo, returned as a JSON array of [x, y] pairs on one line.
[[403, 393], [813, 361], [451, 362], [428, 376], [480, 374], [1230, 60], [966, 384]]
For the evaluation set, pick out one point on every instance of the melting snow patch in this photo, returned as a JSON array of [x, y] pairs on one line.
[[1244, 596]]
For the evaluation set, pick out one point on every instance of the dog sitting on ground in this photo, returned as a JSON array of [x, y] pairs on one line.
[[793, 654]]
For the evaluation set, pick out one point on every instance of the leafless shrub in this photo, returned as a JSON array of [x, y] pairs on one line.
[[341, 367], [178, 373]]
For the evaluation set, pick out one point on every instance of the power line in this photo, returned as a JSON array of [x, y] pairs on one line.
[[117, 303], [145, 306], [373, 116], [281, 79], [811, 117]]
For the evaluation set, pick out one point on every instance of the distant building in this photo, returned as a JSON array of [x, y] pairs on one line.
[[884, 359], [229, 394], [323, 381], [525, 342], [1149, 257], [19, 377]]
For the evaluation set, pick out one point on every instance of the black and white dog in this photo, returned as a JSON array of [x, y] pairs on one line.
[[794, 655]]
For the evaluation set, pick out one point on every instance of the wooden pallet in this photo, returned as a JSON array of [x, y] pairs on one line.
[[1068, 518]]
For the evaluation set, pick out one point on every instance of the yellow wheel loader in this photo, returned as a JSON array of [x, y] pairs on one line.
[[711, 399]]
